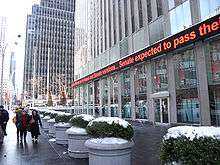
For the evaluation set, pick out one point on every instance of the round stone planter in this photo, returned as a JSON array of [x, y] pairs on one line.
[[76, 140], [51, 123], [109, 153], [45, 123], [60, 133]]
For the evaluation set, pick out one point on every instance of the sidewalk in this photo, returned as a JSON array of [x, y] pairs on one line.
[[146, 151]]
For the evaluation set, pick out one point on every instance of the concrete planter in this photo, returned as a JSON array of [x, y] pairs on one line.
[[76, 140], [45, 123], [51, 123], [109, 154], [60, 133]]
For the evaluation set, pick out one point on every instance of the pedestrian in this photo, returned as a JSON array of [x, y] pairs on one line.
[[22, 122], [1, 130], [5, 118], [27, 108], [34, 125]]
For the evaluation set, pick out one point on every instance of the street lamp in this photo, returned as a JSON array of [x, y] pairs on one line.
[[3, 49]]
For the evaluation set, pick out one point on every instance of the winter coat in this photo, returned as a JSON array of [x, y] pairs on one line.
[[34, 127], [20, 123], [4, 116]]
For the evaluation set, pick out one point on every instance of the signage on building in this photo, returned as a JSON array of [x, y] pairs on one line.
[[205, 29]]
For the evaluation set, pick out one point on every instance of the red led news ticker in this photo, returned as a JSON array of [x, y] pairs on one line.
[[195, 33]]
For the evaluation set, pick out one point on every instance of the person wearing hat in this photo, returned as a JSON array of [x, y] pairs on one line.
[[22, 121], [4, 119]]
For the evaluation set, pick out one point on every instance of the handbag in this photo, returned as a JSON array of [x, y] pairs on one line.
[[32, 120]]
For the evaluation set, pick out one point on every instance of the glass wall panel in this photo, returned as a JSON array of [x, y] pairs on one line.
[[114, 95], [104, 97], [186, 88], [213, 68], [180, 17], [209, 8], [85, 98], [141, 107], [90, 98], [126, 94], [80, 99], [160, 79], [97, 97]]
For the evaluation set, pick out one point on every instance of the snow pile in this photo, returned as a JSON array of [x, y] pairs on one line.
[[110, 120], [51, 121], [46, 118], [109, 140], [62, 124], [85, 117], [76, 130], [192, 132], [52, 140]]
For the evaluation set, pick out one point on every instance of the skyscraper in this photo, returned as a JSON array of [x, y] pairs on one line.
[[49, 49], [12, 77]]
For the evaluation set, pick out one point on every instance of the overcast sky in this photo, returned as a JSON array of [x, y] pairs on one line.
[[16, 12]]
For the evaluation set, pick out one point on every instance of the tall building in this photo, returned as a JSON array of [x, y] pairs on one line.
[[3, 28], [12, 73], [155, 60], [49, 49]]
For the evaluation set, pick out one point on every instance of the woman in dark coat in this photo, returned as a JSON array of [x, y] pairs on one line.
[[34, 125]]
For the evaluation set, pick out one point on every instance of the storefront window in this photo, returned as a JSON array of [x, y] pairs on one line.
[[104, 97], [185, 70], [141, 108], [76, 96], [97, 97], [85, 98], [126, 94], [160, 80], [187, 106], [213, 68], [180, 17], [80, 99], [186, 88], [209, 8], [114, 95], [90, 98]]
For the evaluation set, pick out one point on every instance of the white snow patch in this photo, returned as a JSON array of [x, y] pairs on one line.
[[46, 118], [51, 121], [85, 117], [76, 130], [61, 124], [110, 120], [193, 132], [109, 140], [52, 140]]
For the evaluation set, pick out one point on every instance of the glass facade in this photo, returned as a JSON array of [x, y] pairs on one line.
[[126, 94], [104, 97], [97, 97], [141, 107], [114, 82], [213, 69], [160, 77], [180, 17], [186, 88], [90, 98], [209, 8]]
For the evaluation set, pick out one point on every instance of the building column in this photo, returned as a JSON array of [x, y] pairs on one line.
[[100, 96], [122, 18], [129, 17], [195, 12], [109, 96], [172, 90], [205, 118], [150, 100], [87, 99], [133, 107], [154, 9], [93, 101], [136, 15]]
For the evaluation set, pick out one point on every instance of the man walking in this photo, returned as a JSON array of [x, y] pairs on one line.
[[4, 118]]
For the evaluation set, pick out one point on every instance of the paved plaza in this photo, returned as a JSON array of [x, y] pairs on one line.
[[146, 151]]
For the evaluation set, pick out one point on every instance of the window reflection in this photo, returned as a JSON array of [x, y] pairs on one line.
[[85, 98], [114, 95], [90, 98], [126, 94], [97, 97], [160, 80], [104, 97], [208, 8], [141, 92], [180, 17]]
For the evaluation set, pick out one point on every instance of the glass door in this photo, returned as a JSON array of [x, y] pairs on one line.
[[161, 110]]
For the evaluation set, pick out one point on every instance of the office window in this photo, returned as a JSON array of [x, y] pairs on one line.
[[209, 8], [140, 12]]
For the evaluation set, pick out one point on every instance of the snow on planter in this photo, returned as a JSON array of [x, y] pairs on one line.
[[46, 117], [77, 136], [110, 120], [193, 132], [111, 141]]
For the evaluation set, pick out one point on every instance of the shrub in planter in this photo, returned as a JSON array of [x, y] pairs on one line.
[[64, 118], [77, 136], [191, 145], [110, 127], [111, 142]]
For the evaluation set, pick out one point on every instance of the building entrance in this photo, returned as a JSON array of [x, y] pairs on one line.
[[161, 110]]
